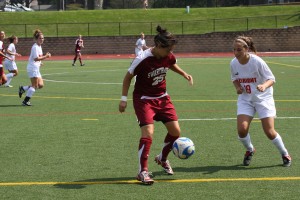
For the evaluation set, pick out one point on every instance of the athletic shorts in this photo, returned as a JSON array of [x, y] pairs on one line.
[[10, 65], [264, 109], [34, 73], [149, 110]]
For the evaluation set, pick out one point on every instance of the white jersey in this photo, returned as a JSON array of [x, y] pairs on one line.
[[254, 73], [12, 48], [36, 51], [139, 43]]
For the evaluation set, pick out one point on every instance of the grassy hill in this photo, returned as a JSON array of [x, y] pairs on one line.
[[118, 18]]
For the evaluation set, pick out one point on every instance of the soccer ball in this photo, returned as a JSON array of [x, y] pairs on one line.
[[183, 148]]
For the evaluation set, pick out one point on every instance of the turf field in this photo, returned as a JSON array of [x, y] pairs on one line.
[[74, 144]]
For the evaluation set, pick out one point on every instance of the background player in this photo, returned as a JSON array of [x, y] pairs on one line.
[[78, 46], [140, 45], [33, 68], [11, 65]]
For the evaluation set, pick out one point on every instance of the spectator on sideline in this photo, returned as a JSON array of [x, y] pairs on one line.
[[253, 81]]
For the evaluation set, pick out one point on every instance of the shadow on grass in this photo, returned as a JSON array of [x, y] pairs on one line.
[[130, 180], [8, 106], [103, 181]]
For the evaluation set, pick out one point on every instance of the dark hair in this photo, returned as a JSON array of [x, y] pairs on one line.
[[12, 38], [37, 33], [164, 38], [247, 41]]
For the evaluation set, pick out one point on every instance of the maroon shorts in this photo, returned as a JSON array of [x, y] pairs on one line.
[[148, 110]]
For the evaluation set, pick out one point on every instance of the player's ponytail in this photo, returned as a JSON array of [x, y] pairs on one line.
[[247, 42], [164, 38], [37, 33]]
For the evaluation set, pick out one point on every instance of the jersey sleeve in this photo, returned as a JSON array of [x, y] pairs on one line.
[[265, 71]]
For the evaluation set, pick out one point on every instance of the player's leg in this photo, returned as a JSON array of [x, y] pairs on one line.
[[271, 133], [9, 76], [75, 58], [144, 150]]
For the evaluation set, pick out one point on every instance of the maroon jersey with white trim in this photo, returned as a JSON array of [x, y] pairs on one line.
[[150, 74]]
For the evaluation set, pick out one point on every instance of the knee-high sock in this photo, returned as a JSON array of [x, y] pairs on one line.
[[246, 141], [168, 144], [9, 78], [279, 145], [30, 92], [144, 150]]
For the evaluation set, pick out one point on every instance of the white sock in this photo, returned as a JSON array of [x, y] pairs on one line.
[[26, 87], [9, 77], [246, 141], [280, 146], [30, 92]]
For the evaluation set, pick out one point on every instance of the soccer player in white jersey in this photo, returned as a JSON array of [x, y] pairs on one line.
[[253, 81], [151, 101], [33, 68], [140, 45], [11, 65]]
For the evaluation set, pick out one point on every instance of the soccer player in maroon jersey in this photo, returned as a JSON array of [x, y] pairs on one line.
[[151, 100], [78, 46], [3, 78]]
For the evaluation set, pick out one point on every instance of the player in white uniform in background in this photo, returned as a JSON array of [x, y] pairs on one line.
[[11, 65], [253, 82], [140, 45], [33, 68]]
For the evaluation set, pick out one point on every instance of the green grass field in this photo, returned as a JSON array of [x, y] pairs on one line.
[[74, 144]]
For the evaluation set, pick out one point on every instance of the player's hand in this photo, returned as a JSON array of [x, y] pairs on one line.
[[190, 79], [122, 106], [48, 55], [261, 88], [239, 90]]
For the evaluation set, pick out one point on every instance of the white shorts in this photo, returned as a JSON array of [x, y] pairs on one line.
[[35, 73], [264, 109], [10, 65]]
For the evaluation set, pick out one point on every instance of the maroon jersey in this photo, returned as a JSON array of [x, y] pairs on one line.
[[150, 74], [78, 44]]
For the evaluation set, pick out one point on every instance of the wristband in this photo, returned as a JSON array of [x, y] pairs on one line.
[[123, 98]]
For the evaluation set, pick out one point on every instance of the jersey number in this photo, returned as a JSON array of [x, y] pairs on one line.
[[158, 79]]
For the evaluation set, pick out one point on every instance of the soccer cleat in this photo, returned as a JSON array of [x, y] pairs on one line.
[[21, 91], [73, 64], [82, 64], [165, 164], [287, 161], [145, 178], [10, 86], [24, 103], [248, 157]]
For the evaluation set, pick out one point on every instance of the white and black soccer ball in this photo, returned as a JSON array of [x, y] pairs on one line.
[[183, 148]]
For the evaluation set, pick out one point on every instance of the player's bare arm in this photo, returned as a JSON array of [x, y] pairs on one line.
[[126, 85], [265, 85], [178, 70], [238, 87]]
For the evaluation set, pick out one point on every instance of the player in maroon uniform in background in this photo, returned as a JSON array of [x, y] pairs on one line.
[[3, 78], [79, 45], [151, 100]]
